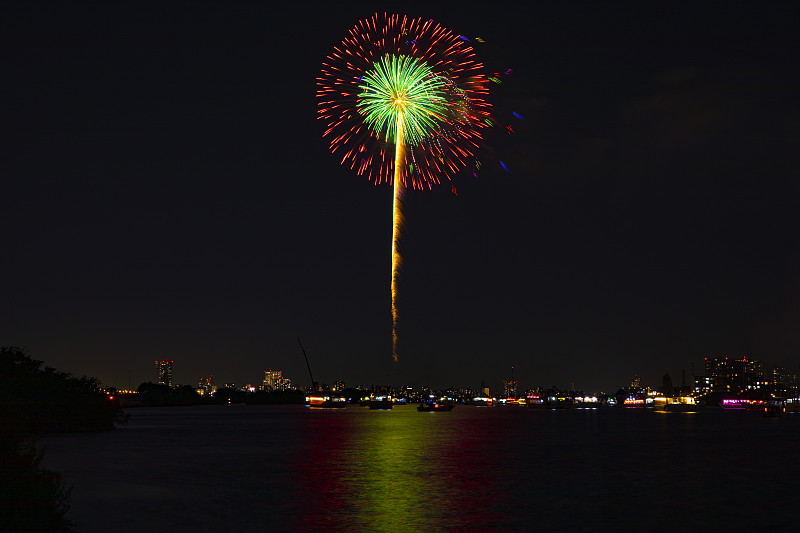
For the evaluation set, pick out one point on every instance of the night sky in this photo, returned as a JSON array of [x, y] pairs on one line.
[[166, 193]]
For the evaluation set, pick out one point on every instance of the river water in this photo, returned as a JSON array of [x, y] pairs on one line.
[[290, 468]]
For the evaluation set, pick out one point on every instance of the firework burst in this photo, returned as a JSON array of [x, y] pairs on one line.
[[445, 90], [404, 103]]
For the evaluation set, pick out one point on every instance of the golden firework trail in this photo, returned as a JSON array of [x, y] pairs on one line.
[[397, 221], [409, 81]]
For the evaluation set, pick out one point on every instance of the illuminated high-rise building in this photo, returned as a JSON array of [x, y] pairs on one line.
[[338, 385], [734, 375], [274, 380], [783, 378], [164, 372], [510, 388], [271, 379], [702, 385], [206, 386]]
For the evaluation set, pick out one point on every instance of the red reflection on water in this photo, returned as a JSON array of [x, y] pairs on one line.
[[400, 470], [323, 498]]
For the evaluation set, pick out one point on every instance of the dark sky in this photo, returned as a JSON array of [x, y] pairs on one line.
[[165, 193]]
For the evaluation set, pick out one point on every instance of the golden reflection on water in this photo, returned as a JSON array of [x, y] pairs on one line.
[[396, 470], [394, 465]]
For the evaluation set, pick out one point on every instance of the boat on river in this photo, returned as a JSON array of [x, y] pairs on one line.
[[434, 407], [775, 407], [317, 398], [383, 403], [678, 404], [793, 405], [325, 401]]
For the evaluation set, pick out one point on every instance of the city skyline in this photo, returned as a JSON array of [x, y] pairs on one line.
[[168, 195], [738, 374]]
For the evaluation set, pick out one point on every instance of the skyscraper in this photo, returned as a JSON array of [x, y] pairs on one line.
[[510, 388], [734, 375], [206, 386], [164, 372], [274, 380]]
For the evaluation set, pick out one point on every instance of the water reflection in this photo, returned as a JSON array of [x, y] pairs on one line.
[[394, 471], [284, 468]]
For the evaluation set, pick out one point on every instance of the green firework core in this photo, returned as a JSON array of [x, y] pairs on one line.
[[405, 89]]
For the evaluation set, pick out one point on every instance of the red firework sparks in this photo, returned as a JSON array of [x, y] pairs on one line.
[[442, 152]]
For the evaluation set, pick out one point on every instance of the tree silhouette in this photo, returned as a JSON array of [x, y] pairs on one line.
[[34, 401]]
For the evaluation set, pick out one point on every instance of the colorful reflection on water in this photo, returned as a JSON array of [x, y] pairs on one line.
[[397, 470], [517, 469], [289, 468]]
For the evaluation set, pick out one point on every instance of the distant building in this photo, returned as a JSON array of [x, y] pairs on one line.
[[408, 393], [666, 385], [275, 381], [784, 377], [702, 385], [206, 386], [734, 375], [338, 386], [510, 388], [164, 372], [381, 390], [271, 379]]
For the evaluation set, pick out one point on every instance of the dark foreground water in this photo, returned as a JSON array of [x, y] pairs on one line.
[[289, 468]]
